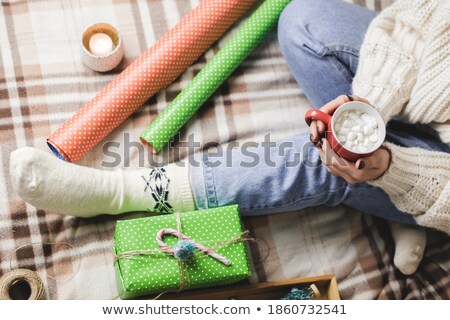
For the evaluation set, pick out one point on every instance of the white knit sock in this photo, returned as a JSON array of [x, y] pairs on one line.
[[48, 183], [410, 243]]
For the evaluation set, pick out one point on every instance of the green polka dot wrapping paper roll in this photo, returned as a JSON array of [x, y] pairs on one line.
[[215, 72], [158, 271]]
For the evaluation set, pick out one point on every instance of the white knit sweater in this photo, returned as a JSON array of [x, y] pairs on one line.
[[404, 71]]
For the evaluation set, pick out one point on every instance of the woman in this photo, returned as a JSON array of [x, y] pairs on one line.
[[398, 61]]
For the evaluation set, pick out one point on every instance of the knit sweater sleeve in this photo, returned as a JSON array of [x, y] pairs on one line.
[[418, 182], [403, 71]]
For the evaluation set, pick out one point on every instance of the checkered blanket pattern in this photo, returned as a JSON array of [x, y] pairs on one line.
[[43, 82]]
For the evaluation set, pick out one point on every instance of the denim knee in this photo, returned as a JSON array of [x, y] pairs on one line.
[[299, 11], [294, 36], [289, 25]]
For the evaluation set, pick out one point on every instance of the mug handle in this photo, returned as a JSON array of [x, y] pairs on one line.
[[313, 114]]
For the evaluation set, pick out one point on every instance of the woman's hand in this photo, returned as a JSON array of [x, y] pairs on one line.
[[364, 169], [317, 127]]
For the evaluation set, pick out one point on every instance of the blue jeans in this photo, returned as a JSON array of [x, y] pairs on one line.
[[320, 40]]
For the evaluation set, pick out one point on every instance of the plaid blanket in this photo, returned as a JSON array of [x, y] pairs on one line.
[[43, 82]]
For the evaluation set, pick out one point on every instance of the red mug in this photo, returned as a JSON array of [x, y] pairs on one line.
[[335, 143]]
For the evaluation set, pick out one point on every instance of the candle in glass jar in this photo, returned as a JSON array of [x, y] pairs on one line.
[[100, 44]]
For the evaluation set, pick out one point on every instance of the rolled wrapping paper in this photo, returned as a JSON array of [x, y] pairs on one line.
[[155, 69], [215, 72]]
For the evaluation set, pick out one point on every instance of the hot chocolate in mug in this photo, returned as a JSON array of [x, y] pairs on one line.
[[355, 129]]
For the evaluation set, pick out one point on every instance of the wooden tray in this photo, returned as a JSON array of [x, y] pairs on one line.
[[326, 284]]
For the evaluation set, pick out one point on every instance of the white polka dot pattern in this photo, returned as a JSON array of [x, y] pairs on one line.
[[161, 273], [155, 69], [215, 72]]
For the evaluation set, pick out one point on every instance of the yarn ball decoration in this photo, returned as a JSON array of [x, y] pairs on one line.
[[297, 294], [184, 250]]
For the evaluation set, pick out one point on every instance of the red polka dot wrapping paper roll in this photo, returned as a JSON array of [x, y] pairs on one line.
[[155, 69]]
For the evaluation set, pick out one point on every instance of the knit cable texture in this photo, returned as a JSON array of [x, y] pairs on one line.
[[404, 71]]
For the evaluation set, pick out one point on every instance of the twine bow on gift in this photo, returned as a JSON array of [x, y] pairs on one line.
[[184, 251], [185, 247]]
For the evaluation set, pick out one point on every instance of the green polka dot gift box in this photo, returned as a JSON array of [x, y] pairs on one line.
[[152, 256]]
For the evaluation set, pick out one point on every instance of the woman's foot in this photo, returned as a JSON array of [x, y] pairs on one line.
[[410, 243], [48, 183]]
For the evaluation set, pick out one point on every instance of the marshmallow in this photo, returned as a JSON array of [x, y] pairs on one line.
[[347, 123], [366, 142], [360, 137], [344, 131], [374, 137], [354, 116], [368, 130], [363, 148], [351, 136], [358, 129], [366, 118]]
